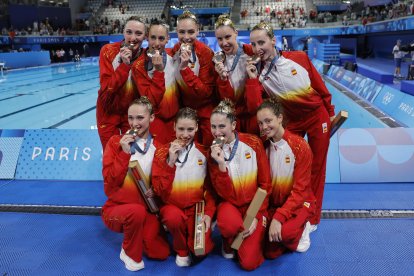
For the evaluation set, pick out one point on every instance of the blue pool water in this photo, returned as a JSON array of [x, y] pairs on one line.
[[64, 97]]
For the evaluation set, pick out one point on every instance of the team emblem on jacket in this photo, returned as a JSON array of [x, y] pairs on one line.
[[200, 162], [306, 204], [294, 72], [287, 159], [324, 128], [247, 155]]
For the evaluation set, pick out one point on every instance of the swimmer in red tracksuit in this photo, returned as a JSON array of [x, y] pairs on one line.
[[232, 75], [179, 177], [236, 171], [125, 210], [195, 74], [291, 203], [155, 78], [307, 102], [117, 89]]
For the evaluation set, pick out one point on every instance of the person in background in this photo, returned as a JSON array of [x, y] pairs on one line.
[[125, 210], [398, 55], [154, 74], [195, 77], [306, 101], [117, 90], [285, 44], [180, 178], [237, 169], [232, 74], [291, 202]]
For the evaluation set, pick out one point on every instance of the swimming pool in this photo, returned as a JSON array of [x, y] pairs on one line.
[[64, 96]]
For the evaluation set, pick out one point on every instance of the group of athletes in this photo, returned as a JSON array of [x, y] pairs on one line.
[[178, 101]]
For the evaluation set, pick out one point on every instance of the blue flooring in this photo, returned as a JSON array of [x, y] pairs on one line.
[[38, 244], [52, 192]]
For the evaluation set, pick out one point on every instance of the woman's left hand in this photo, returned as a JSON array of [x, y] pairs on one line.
[[251, 229], [207, 221]]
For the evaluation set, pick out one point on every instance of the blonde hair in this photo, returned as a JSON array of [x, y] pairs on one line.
[[266, 27], [143, 101], [187, 15], [139, 19], [224, 20], [226, 107]]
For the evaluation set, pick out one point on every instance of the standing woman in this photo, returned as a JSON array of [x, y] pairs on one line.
[[237, 169], [232, 74], [293, 79], [125, 210], [179, 176], [154, 74], [195, 76], [291, 202], [117, 89]]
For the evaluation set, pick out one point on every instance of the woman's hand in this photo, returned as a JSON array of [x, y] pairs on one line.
[[275, 231], [221, 70], [185, 56], [157, 61], [207, 221], [126, 55], [126, 142], [173, 151], [251, 229], [217, 154], [251, 69]]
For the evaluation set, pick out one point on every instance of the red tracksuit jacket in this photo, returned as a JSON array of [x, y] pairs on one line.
[[296, 82], [118, 186], [196, 82], [160, 87], [185, 184], [247, 171], [117, 88], [290, 163]]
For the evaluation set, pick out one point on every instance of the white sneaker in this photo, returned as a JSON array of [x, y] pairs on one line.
[[130, 264], [183, 261], [226, 255], [313, 227], [304, 242]]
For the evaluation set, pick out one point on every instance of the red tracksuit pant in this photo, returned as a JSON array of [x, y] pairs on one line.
[[180, 223], [142, 231], [230, 223], [292, 230], [316, 125]]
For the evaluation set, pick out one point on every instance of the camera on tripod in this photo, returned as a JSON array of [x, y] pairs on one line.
[[407, 47]]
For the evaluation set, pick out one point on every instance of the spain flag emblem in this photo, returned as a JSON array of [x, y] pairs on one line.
[[306, 204], [247, 155], [294, 72], [324, 128], [287, 159], [200, 162]]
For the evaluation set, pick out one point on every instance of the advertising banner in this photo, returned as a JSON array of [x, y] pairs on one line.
[[60, 154]]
